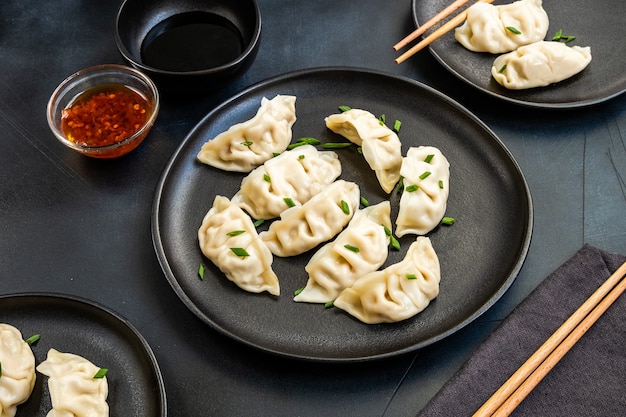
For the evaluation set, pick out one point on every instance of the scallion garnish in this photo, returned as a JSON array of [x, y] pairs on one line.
[[501, 70], [240, 251], [513, 30], [359, 150], [364, 202], [275, 154], [440, 184], [236, 232], [352, 248], [558, 36], [101, 373], [382, 119], [267, 178], [329, 304], [298, 291], [309, 141], [0, 370], [411, 188], [397, 124], [289, 202], [392, 240], [411, 276], [344, 108], [201, 272], [300, 156], [425, 175], [259, 222], [429, 158], [247, 143], [400, 186], [336, 145], [33, 339], [448, 221], [345, 207]]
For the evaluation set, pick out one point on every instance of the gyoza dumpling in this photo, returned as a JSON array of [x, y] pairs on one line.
[[381, 145], [361, 248], [73, 389], [18, 370], [503, 28], [297, 174], [247, 145], [539, 64], [397, 292], [426, 177], [301, 228], [229, 239]]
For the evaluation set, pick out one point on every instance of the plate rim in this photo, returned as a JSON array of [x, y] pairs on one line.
[[169, 275]]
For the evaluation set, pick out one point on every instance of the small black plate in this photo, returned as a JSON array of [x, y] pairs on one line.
[[589, 20], [74, 325], [480, 255]]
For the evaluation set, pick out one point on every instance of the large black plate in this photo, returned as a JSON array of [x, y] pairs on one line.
[[480, 255], [588, 20], [70, 324]]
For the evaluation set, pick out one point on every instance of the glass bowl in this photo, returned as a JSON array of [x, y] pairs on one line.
[[104, 111]]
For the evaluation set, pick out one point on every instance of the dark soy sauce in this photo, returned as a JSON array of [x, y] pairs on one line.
[[191, 42]]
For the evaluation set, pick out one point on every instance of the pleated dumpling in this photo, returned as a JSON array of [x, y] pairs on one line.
[[426, 179], [359, 249], [246, 145], [539, 64], [297, 175], [381, 146], [73, 389], [399, 291], [503, 28], [301, 228], [229, 239], [18, 370]]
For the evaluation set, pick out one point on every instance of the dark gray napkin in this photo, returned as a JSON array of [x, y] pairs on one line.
[[590, 380]]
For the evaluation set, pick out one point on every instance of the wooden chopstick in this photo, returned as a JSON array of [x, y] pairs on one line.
[[442, 30], [522, 382]]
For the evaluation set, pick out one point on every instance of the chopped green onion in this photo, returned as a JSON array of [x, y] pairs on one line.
[[425, 175], [329, 304], [513, 30], [344, 108], [568, 38], [557, 35], [392, 240], [400, 186], [429, 158], [295, 145], [345, 207], [201, 271], [352, 248], [501, 70], [267, 178], [33, 339], [397, 124], [411, 276], [247, 143], [309, 141], [382, 119], [236, 232], [300, 156], [336, 145], [259, 222], [275, 154], [240, 251], [0, 370], [101, 373], [298, 291], [360, 150], [411, 188], [441, 184], [448, 221], [364, 202], [289, 202]]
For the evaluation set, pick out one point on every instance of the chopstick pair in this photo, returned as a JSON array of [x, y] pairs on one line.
[[445, 28], [539, 364]]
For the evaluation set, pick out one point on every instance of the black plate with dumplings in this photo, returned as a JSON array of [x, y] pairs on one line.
[[590, 21], [480, 255], [75, 325]]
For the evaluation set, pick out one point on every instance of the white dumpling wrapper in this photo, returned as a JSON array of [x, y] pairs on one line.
[[381, 146], [246, 145], [399, 291], [539, 64], [18, 370], [334, 267], [252, 273], [73, 389], [297, 174], [485, 28], [301, 228], [422, 210]]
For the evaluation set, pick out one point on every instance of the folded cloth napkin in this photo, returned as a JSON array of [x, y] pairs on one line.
[[590, 380]]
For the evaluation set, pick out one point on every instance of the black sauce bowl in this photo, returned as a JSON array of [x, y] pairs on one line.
[[189, 45]]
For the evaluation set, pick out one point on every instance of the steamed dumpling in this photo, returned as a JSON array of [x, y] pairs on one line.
[[426, 177], [361, 248], [301, 228], [18, 370], [73, 389], [226, 227], [539, 64], [297, 174], [397, 292], [490, 28], [247, 145], [381, 145]]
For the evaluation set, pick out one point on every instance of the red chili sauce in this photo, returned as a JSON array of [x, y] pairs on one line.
[[104, 115]]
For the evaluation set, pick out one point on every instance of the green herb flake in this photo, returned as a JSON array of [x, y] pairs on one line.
[[329, 304], [448, 221], [275, 154], [336, 145], [259, 222], [240, 252], [101, 373], [0, 370], [344, 108], [501, 70], [513, 30], [393, 242], [364, 202], [440, 184], [309, 141], [411, 188], [33, 339], [236, 232], [295, 145], [359, 150], [247, 143], [557, 35], [400, 186], [411, 276], [201, 272], [425, 175], [345, 207], [289, 202], [352, 248], [382, 119], [429, 158], [300, 156], [267, 178], [298, 291], [397, 124]]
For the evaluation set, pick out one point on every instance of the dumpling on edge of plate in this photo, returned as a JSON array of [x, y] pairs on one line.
[[18, 370]]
